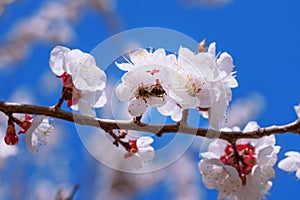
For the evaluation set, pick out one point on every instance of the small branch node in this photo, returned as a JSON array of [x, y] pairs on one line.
[[116, 143], [64, 92], [137, 120], [184, 117], [260, 132], [159, 134]]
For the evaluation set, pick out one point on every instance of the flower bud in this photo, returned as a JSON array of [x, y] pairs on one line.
[[11, 137]]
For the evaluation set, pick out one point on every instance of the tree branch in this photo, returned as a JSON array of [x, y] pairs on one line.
[[184, 117], [157, 129]]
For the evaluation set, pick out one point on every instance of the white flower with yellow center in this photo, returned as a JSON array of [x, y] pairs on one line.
[[80, 73], [246, 177], [147, 81], [38, 133], [204, 82]]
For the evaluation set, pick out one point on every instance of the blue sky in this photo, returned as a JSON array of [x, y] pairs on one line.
[[262, 37]]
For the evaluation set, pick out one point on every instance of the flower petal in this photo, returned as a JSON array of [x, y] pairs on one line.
[[56, 61], [264, 154], [294, 154], [205, 98], [138, 57], [124, 66], [146, 153], [31, 141], [217, 113], [75, 107], [289, 164], [225, 62], [171, 109], [101, 99], [135, 161], [158, 56], [251, 126], [156, 101], [124, 93], [137, 107], [144, 141], [85, 74], [212, 49]]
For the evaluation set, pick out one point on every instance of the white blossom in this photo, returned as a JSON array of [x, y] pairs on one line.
[[199, 80], [194, 73], [204, 81], [38, 133], [87, 80], [171, 109], [252, 181], [291, 163], [141, 151], [221, 86], [147, 80]]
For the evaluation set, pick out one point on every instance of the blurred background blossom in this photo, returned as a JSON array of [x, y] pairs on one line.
[[53, 22], [4, 3]]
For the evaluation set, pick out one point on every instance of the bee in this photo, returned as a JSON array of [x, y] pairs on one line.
[[157, 90], [143, 92], [154, 90]]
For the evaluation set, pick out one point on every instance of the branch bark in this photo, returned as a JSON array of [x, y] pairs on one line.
[[157, 129]]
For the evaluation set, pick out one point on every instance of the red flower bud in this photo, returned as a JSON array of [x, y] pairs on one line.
[[133, 145], [11, 137]]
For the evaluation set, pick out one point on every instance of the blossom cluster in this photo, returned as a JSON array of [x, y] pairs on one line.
[[173, 83], [140, 151], [50, 23], [201, 80], [238, 169], [242, 171], [83, 82], [36, 131]]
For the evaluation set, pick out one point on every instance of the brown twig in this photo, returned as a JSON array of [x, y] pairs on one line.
[[184, 117], [236, 154], [118, 141], [64, 92], [157, 129]]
